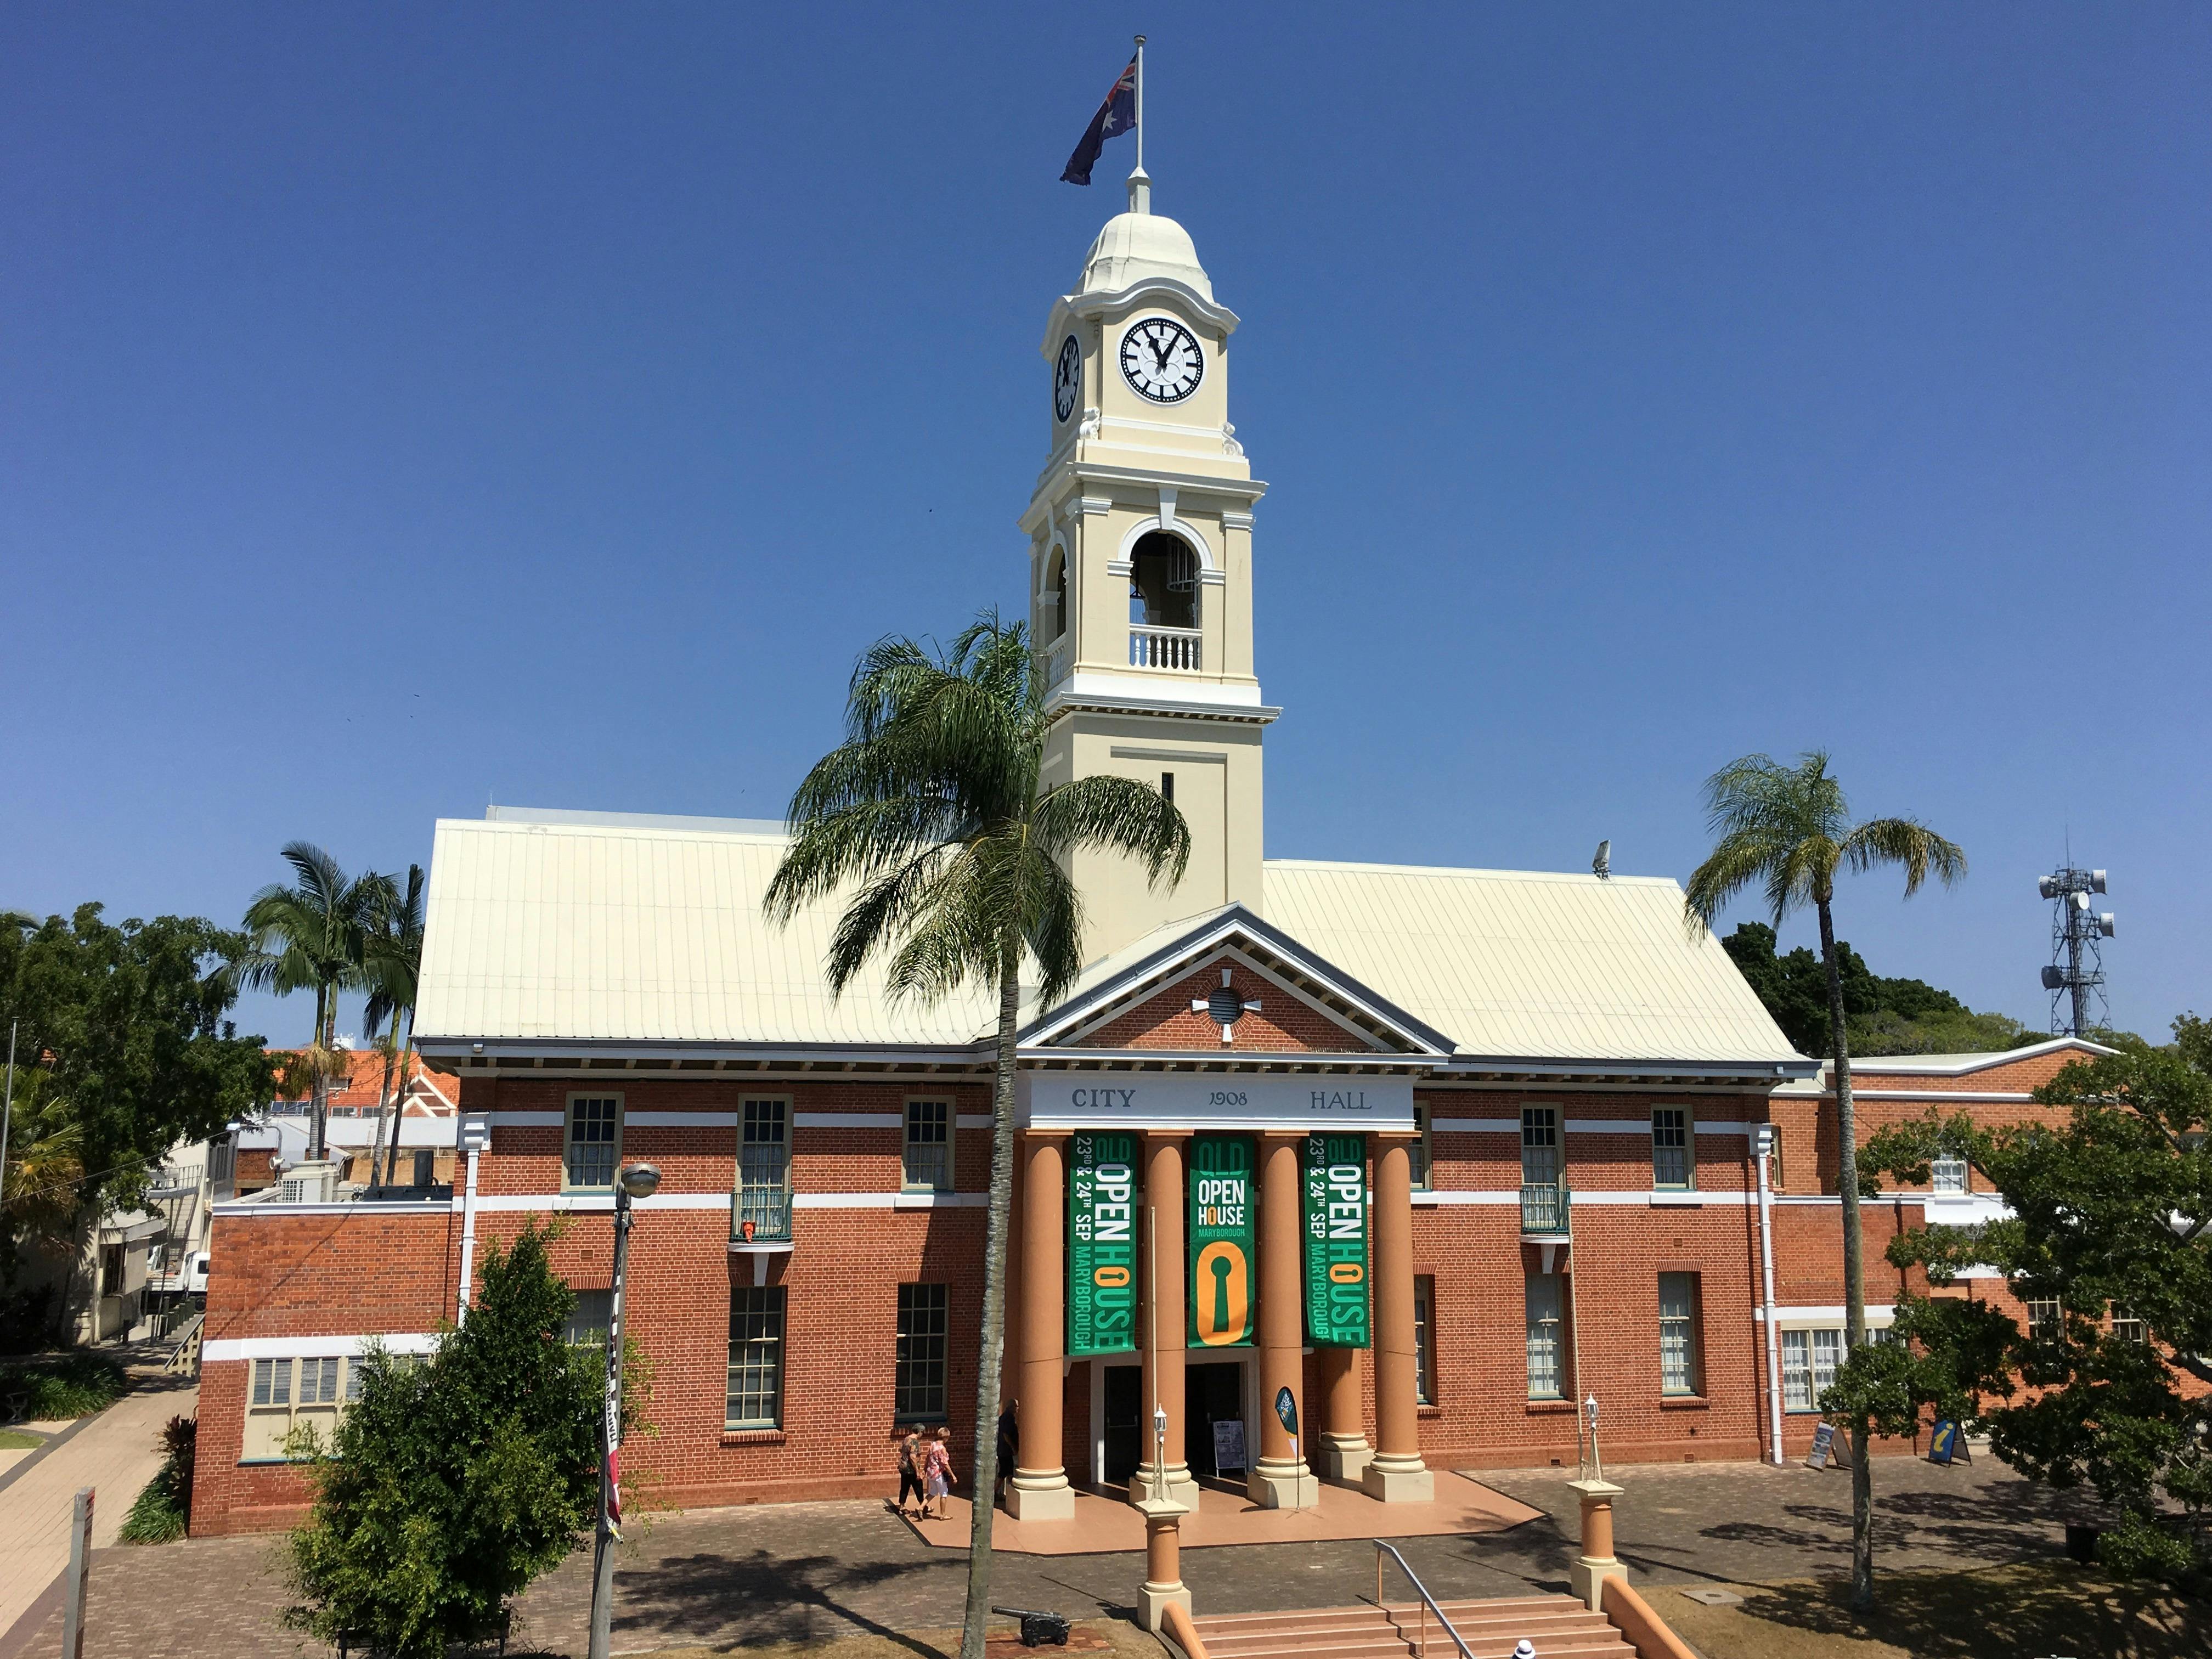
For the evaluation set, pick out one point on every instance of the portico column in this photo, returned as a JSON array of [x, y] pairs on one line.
[[1167, 1319], [1344, 1449], [1396, 1475], [1039, 1490], [1281, 1480]]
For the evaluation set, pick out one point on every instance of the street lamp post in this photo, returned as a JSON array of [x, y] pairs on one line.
[[636, 1181]]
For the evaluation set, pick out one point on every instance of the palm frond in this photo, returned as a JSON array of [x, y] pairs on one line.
[[1908, 843], [1120, 815]]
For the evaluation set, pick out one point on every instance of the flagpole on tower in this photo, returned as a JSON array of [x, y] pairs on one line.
[[1140, 103]]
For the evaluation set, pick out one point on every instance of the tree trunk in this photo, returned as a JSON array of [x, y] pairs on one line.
[[383, 1104], [318, 1107], [994, 1310], [1847, 1192], [405, 1045]]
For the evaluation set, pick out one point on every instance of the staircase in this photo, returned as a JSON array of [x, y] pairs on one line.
[[1560, 1627]]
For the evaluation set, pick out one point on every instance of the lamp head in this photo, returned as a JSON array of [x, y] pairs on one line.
[[641, 1180], [1590, 1406]]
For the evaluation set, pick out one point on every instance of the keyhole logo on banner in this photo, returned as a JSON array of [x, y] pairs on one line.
[[1223, 1307]]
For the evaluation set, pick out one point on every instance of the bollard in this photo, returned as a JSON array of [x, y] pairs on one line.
[[1597, 1562], [79, 1562]]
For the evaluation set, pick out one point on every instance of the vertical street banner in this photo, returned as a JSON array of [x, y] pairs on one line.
[[1101, 1244], [1336, 1241], [1221, 1232]]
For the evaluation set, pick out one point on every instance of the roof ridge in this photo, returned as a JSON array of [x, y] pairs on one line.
[[1468, 870]]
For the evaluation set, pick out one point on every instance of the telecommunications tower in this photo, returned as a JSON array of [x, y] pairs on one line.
[[2076, 973]]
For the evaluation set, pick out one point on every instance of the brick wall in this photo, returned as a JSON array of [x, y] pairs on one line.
[[369, 1269]]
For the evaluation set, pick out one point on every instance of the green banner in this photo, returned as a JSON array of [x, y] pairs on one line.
[[1102, 1245], [1221, 1230], [1336, 1241]]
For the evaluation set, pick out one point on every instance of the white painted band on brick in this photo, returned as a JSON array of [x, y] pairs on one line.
[[567, 1202], [1831, 1313], [312, 1347], [1474, 1125], [848, 1120], [1609, 1126], [975, 1120], [520, 1120], [681, 1119], [246, 1209], [889, 1200], [1724, 1126]]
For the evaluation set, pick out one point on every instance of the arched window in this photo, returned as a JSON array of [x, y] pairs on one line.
[[1163, 582], [1055, 586]]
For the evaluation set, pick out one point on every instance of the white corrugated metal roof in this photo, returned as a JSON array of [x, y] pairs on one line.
[[1530, 965], [647, 931], [632, 932]]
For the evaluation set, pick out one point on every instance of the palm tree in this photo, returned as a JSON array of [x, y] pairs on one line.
[[392, 962], [932, 825], [1787, 829], [312, 937]]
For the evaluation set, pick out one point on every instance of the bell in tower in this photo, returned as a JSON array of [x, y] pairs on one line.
[[1140, 553]]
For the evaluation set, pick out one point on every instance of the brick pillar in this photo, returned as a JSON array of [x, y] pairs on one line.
[[1166, 1328], [1039, 1490], [1281, 1480], [1397, 1475]]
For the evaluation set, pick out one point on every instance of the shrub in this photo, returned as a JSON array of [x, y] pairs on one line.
[[74, 1385], [2140, 1548], [451, 1483], [164, 1509]]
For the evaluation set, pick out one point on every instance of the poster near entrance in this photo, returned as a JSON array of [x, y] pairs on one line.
[[1101, 1244], [1221, 1234], [1336, 1241]]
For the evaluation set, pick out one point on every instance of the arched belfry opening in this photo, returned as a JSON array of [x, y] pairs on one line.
[[1055, 604], [1163, 582]]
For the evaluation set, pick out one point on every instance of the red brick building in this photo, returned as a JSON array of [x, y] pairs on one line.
[[1430, 1153]]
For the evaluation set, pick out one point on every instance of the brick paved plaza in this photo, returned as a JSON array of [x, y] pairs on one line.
[[815, 1571]]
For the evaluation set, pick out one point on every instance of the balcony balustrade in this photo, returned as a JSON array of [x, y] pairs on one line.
[[1545, 1211], [760, 1209], [1163, 648]]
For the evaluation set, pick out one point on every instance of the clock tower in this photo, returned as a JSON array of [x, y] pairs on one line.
[[1141, 558]]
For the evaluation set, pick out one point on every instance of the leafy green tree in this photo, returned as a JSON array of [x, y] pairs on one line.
[[451, 1482], [392, 962], [313, 937], [124, 1050], [1787, 830], [1882, 1016], [2110, 1214], [933, 826]]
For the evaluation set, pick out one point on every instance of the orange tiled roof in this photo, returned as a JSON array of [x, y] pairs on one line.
[[428, 1094]]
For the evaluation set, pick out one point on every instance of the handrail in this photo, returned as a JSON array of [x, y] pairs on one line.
[[1428, 1601]]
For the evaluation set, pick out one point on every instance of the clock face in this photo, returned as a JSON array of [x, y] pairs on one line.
[[1161, 361], [1067, 379]]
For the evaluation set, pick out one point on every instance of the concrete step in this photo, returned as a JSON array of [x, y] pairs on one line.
[[1558, 1626]]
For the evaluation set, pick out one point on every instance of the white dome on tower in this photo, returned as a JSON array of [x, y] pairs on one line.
[[1139, 244]]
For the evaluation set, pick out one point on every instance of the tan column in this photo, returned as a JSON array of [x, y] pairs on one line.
[[1010, 1342], [1396, 1475], [1597, 1562], [1280, 1478], [1344, 1449], [1039, 1490], [1166, 1327]]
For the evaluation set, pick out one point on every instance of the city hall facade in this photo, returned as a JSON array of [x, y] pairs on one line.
[[1356, 1172]]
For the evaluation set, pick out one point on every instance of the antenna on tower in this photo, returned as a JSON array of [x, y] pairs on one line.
[[2075, 977]]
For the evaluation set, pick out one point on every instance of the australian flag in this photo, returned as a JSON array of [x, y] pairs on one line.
[[1117, 116]]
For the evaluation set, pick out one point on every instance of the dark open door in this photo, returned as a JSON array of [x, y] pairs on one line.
[[1125, 1415]]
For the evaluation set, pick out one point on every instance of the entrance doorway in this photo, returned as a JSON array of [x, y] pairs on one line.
[[1123, 1444], [1212, 1393]]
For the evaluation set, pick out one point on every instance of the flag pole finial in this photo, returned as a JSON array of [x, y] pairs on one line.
[[1141, 183]]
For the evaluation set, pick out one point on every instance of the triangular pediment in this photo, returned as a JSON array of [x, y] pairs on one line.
[[1167, 994]]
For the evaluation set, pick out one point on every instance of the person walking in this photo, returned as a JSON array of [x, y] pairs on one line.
[[1009, 1444], [909, 1463], [937, 1474]]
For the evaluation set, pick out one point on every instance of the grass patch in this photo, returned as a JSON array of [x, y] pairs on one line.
[[2036, 1607], [11, 1441], [164, 1509], [74, 1385]]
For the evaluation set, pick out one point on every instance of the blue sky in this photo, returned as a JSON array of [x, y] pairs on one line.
[[404, 408]]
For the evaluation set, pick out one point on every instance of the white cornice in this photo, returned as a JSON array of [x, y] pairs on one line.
[[1051, 488], [1106, 308]]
